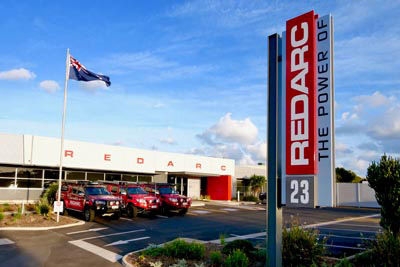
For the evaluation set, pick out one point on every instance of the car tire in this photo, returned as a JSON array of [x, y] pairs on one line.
[[135, 212], [164, 211], [89, 214], [117, 215], [182, 212], [131, 211]]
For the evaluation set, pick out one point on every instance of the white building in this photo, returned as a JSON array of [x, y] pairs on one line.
[[28, 163]]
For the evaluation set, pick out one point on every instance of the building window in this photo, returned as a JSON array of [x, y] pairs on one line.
[[29, 183], [75, 175], [143, 178], [7, 182], [7, 172], [129, 178], [29, 173], [95, 176], [113, 177], [52, 175]]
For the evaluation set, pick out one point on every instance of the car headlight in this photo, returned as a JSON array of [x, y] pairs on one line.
[[112, 203], [141, 200], [100, 202], [173, 199]]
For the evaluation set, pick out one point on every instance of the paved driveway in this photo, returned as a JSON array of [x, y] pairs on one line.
[[105, 241]]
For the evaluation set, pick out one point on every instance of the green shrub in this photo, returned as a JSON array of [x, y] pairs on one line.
[[1, 216], [154, 251], [43, 207], [301, 247], [385, 250], [50, 193], [7, 207], [384, 178], [216, 258], [250, 198], [239, 244], [344, 263], [259, 255], [18, 215], [222, 239], [183, 250], [237, 259]]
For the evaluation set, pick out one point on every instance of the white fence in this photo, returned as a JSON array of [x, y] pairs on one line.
[[355, 195]]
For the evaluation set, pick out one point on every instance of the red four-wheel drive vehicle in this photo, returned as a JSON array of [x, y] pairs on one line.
[[91, 199], [170, 199], [135, 199]]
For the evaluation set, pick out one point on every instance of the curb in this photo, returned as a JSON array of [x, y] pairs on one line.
[[39, 228]]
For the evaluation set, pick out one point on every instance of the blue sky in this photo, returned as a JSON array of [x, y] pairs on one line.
[[191, 76]]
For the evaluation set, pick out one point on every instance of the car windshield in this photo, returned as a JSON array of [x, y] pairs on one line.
[[136, 190], [167, 190], [96, 191]]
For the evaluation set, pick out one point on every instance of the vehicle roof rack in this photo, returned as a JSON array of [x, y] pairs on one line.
[[117, 182], [79, 182]]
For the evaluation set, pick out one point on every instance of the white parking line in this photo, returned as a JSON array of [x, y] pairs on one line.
[[6, 241], [200, 211], [263, 234], [120, 233], [89, 230], [347, 230], [235, 237], [104, 253], [346, 247], [123, 242], [361, 225], [340, 221], [348, 237], [229, 209]]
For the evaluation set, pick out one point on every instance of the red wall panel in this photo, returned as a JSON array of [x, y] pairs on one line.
[[220, 188]]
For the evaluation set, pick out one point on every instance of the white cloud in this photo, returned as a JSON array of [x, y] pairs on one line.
[[370, 128], [168, 140], [17, 74], [342, 148], [347, 116], [377, 99], [385, 126], [49, 86], [241, 131], [258, 151], [247, 160], [235, 139]]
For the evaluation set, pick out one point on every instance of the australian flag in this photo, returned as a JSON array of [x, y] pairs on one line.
[[78, 72]]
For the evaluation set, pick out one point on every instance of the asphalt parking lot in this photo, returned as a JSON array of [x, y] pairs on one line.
[[105, 241]]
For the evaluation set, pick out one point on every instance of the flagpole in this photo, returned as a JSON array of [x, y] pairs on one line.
[[62, 131]]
